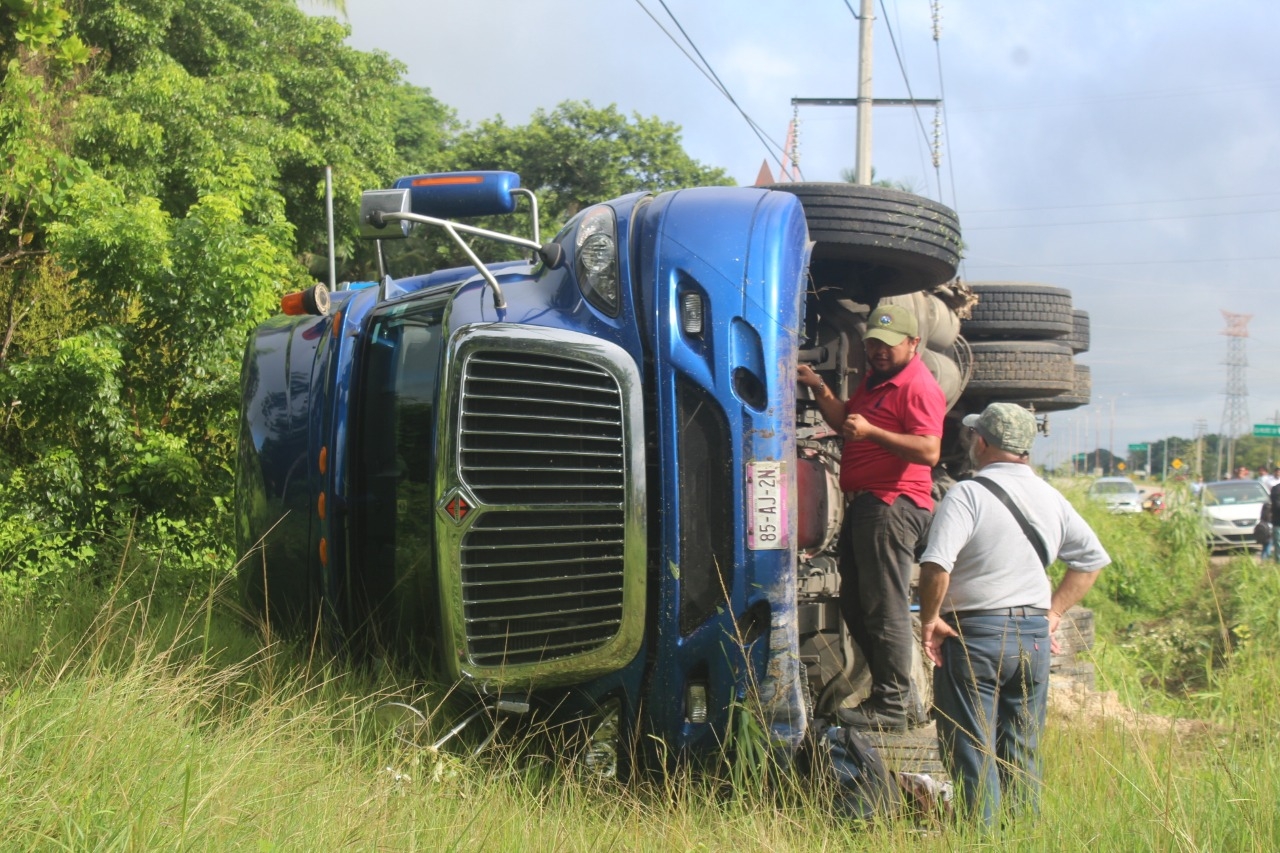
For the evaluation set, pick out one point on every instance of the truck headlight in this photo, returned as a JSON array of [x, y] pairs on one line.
[[597, 259]]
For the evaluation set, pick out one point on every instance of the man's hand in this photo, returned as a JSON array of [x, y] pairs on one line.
[[932, 633], [806, 376], [857, 428], [1055, 619]]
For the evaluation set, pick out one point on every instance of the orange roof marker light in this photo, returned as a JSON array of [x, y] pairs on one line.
[[313, 300]]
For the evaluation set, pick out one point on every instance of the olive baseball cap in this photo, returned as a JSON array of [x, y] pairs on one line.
[[1006, 426], [892, 324]]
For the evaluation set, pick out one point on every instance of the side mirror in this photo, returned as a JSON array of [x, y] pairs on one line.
[[374, 204]]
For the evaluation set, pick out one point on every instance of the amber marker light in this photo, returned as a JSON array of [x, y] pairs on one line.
[[313, 300], [324, 552], [320, 506], [324, 460], [447, 180]]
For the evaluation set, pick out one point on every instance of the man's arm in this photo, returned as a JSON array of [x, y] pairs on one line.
[[920, 449], [831, 406], [1068, 594], [934, 583]]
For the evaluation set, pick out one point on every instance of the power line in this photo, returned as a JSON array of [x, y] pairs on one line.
[[1120, 203], [1161, 94], [707, 71], [1114, 221], [902, 67], [1128, 263]]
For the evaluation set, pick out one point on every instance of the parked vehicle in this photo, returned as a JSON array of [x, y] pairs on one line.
[[583, 486], [1118, 493], [1230, 510]]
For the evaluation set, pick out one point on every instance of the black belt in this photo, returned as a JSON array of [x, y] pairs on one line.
[[1017, 612]]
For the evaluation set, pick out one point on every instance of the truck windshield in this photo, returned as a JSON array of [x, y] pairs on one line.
[[392, 497]]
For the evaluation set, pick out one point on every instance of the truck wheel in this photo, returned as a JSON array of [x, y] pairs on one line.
[[1020, 369], [873, 242], [1078, 340], [1081, 391], [1019, 310]]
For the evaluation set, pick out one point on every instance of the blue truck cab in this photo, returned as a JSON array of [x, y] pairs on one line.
[[566, 483]]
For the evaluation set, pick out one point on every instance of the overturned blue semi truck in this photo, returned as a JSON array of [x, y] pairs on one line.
[[584, 485]]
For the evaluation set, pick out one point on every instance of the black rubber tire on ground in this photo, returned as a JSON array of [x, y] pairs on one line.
[[1007, 370], [1019, 310], [915, 751], [1078, 340], [872, 241], [1079, 395]]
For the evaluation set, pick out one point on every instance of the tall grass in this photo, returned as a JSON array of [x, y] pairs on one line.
[[145, 725]]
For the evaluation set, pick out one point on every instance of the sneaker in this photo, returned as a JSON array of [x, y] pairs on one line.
[[867, 717]]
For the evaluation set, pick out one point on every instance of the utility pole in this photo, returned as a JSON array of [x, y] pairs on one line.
[[864, 102], [862, 161], [1235, 410], [1200, 427]]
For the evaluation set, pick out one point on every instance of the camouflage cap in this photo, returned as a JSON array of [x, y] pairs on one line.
[[892, 324], [1006, 426]]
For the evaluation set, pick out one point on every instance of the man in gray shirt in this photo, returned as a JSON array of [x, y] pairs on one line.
[[988, 611]]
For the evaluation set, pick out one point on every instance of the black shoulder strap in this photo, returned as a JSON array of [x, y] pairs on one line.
[[1032, 535]]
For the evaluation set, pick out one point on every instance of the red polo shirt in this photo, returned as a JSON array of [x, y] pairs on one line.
[[910, 403]]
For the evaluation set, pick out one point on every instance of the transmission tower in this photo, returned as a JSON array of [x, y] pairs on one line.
[[1235, 410]]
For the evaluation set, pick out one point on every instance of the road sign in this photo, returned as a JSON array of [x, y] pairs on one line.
[[1266, 430], [1176, 464], [1120, 465], [1138, 448], [1080, 457]]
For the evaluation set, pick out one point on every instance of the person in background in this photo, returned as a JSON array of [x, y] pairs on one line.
[[1268, 479], [1275, 529], [988, 611], [1264, 532], [892, 428]]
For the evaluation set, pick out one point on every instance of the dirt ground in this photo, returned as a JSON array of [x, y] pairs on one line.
[[1074, 700]]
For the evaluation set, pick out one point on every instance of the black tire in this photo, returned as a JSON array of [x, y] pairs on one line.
[[1078, 340], [1019, 310], [1008, 370], [911, 752], [872, 242], [1079, 395]]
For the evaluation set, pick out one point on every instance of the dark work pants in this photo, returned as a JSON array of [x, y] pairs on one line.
[[877, 555]]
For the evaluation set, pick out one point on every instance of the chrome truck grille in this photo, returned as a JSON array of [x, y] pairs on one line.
[[541, 444]]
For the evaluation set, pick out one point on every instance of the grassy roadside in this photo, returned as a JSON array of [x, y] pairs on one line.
[[138, 725]]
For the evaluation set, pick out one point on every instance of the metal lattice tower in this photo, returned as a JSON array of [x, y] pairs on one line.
[[1235, 409]]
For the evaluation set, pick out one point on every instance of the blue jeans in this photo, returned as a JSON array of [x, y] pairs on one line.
[[990, 696]]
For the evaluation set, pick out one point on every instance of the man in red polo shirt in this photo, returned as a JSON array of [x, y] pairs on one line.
[[892, 428]]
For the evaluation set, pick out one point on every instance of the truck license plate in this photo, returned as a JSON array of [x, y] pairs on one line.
[[766, 494]]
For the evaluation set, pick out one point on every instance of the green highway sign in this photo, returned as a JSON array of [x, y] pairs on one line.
[[1266, 430], [1137, 448], [1080, 457]]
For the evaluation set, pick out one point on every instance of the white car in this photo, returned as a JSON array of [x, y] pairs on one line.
[[1119, 494], [1231, 509]]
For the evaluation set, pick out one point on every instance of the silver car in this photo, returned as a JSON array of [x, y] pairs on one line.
[[1119, 494], [1231, 509]]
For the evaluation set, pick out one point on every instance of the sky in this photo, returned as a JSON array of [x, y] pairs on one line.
[[1127, 150]]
